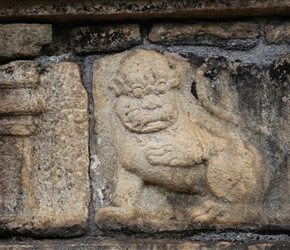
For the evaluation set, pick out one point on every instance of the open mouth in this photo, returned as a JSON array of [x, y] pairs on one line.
[[154, 124], [141, 121], [148, 127]]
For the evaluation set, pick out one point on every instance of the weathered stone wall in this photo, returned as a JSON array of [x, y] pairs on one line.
[[72, 165]]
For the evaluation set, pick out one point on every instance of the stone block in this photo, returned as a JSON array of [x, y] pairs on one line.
[[277, 33], [43, 150], [90, 10], [103, 243], [105, 38], [161, 161], [236, 35], [21, 40]]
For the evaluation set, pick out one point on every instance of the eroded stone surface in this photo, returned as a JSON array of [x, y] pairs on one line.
[[72, 10], [176, 167], [23, 40], [11, 158], [44, 151], [105, 38], [277, 33], [256, 99], [139, 244], [19, 74], [236, 35], [18, 125]]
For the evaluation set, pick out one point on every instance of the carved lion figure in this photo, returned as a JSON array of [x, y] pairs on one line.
[[158, 143]]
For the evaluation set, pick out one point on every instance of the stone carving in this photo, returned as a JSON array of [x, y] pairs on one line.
[[44, 183], [256, 99], [166, 150]]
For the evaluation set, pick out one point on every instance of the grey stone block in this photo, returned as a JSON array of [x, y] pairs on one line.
[[23, 40]]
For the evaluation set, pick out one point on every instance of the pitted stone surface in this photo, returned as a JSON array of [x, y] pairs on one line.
[[105, 38], [72, 10], [138, 244]]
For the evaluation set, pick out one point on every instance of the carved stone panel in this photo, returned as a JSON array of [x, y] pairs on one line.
[[256, 99], [161, 160], [44, 186]]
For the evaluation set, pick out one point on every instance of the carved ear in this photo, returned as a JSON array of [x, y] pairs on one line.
[[116, 86]]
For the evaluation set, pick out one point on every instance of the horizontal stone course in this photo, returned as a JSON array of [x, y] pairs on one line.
[[232, 35], [72, 10], [23, 40], [105, 38], [103, 243]]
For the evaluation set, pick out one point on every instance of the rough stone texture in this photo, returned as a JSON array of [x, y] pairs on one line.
[[176, 167], [237, 35], [12, 102], [277, 33], [18, 125], [105, 38], [139, 244], [44, 150], [256, 99], [72, 10], [17, 75], [23, 40], [11, 158]]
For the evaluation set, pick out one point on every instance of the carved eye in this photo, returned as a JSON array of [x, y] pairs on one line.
[[161, 88], [138, 92]]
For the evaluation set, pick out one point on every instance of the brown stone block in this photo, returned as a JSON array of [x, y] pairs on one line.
[[11, 159], [51, 184], [277, 33], [23, 40], [215, 34], [60, 158], [105, 38]]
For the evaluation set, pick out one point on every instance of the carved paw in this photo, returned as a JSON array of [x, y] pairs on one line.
[[207, 212], [162, 155], [174, 155], [113, 217], [224, 214]]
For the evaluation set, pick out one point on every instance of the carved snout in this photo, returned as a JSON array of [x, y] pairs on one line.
[[151, 102]]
